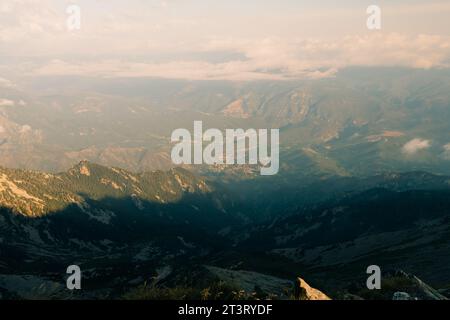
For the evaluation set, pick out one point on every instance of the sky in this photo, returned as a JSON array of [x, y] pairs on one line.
[[231, 40]]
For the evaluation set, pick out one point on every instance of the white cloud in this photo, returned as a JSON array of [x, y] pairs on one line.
[[273, 58], [296, 40], [415, 145], [446, 153], [5, 83], [25, 128], [30, 20], [194, 70], [6, 103]]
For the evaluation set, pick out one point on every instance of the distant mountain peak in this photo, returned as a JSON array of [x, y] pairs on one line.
[[83, 167]]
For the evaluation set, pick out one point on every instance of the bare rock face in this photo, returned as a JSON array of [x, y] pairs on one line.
[[304, 291]]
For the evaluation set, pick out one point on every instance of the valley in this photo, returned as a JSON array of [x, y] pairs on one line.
[[355, 124], [177, 230]]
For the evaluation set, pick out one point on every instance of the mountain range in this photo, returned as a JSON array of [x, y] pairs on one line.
[[187, 233], [363, 122]]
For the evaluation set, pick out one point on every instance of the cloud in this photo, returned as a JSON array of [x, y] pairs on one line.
[[6, 103], [5, 83], [446, 153], [25, 128], [193, 70], [271, 58], [30, 20], [149, 38], [415, 145]]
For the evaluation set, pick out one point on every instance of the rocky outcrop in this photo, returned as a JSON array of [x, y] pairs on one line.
[[412, 287], [303, 291]]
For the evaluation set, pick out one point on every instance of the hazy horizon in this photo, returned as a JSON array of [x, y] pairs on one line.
[[273, 40]]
